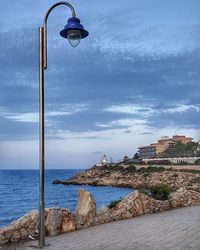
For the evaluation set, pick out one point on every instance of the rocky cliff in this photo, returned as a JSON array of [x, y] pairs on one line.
[[123, 176]]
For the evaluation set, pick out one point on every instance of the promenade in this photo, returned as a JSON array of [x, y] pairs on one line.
[[177, 229]]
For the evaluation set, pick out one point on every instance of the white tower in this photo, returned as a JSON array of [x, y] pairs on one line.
[[104, 161]]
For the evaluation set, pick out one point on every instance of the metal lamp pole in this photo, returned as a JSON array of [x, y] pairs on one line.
[[74, 32]]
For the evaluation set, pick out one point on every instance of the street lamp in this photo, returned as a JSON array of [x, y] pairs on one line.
[[74, 32]]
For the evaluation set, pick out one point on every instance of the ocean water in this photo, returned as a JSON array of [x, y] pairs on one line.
[[19, 192]]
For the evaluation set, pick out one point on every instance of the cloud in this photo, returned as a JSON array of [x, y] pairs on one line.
[[133, 109], [122, 123], [137, 72], [27, 117], [34, 116], [182, 108]]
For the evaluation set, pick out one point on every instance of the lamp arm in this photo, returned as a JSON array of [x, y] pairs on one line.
[[45, 27]]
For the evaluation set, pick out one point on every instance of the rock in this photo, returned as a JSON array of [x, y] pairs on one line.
[[58, 220], [183, 197], [3, 239], [132, 203], [16, 236], [103, 209], [56, 182], [68, 222], [86, 209], [23, 233], [53, 222]]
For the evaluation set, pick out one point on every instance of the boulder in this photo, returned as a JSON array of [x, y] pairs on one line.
[[86, 209], [184, 198], [131, 205], [59, 220], [53, 222], [68, 222]]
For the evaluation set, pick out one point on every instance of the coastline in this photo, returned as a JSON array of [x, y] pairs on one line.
[[139, 176]]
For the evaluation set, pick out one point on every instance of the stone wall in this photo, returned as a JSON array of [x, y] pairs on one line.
[[60, 220]]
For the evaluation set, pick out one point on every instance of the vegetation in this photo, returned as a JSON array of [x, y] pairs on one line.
[[130, 169], [145, 191], [193, 171], [197, 162], [161, 192], [114, 203], [115, 168], [181, 150], [151, 169], [147, 170], [160, 162], [196, 180]]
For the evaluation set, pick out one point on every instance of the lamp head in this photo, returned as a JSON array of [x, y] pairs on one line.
[[74, 31]]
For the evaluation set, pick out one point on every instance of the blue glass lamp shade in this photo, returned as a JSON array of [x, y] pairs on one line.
[[74, 31]]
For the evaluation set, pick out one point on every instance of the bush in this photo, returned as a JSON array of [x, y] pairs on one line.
[[145, 191], [114, 203], [131, 168], [182, 163], [116, 168], [197, 161], [159, 162], [151, 169], [193, 171], [196, 180], [161, 192]]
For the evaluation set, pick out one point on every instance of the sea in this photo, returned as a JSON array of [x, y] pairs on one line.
[[19, 192]]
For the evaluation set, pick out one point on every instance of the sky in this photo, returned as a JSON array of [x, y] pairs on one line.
[[135, 78]]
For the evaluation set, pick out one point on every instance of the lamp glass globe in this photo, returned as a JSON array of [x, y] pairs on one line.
[[74, 37]]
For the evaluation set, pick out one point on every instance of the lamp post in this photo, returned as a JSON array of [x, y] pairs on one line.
[[74, 32]]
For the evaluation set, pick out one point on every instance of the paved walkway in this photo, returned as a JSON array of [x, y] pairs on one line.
[[177, 229]]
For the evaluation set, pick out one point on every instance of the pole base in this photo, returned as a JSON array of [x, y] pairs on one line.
[[38, 247]]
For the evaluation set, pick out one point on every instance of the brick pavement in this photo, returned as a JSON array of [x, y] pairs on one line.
[[177, 229]]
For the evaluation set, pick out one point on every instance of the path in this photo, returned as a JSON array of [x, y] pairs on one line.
[[177, 229]]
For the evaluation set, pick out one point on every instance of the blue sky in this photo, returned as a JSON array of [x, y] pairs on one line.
[[134, 79]]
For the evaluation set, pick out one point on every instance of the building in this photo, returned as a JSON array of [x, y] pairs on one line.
[[182, 139], [154, 149], [103, 162], [151, 151]]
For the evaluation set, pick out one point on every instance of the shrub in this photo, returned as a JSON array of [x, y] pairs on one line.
[[155, 169], [116, 168], [193, 171], [197, 161], [141, 170], [161, 192], [182, 163], [131, 168], [145, 191], [196, 180], [114, 203], [159, 162], [151, 169], [145, 175]]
